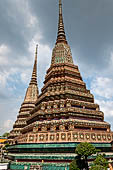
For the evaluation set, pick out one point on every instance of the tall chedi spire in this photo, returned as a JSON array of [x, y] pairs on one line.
[[28, 104], [34, 74], [61, 37], [32, 91], [65, 111], [61, 51]]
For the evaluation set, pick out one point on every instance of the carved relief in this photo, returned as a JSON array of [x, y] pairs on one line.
[[62, 54]]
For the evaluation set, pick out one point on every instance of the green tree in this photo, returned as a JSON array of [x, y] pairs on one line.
[[97, 167], [84, 150], [101, 162], [73, 165], [5, 134]]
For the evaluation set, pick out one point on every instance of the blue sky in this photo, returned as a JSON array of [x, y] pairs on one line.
[[89, 31]]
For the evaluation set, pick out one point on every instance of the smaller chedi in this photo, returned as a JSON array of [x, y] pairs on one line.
[[51, 124], [28, 104]]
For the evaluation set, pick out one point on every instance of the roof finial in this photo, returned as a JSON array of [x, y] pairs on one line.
[[60, 7], [61, 37], [36, 51], [34, 73]]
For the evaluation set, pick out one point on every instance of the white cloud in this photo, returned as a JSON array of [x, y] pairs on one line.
[[22, 10], [7, 76], [106, 107], [25, 76], [44, 51], [24, 61], [102, 87], [7, 124], [4, 51], [8, 114], [31, 21], [3, 79]]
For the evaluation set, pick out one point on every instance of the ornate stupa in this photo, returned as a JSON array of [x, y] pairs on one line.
[[65, 109], [64, 114], [28, 104]]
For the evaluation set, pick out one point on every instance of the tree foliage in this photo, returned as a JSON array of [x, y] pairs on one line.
[[5, 134], [97, 167], [73, 165], [101, 162], [85, 149]]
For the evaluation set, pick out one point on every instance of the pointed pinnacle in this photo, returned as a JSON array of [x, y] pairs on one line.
[[34, 73], [36, 52], [61, 37], [60, 7]]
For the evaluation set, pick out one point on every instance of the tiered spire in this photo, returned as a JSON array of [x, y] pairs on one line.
[[61, 37], [65, 107], [63, 115], [61, 52], [32, 91], [34, 74], [28, 104]]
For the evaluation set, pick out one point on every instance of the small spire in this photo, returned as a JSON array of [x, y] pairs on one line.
[[34, 73], [61, 37]]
